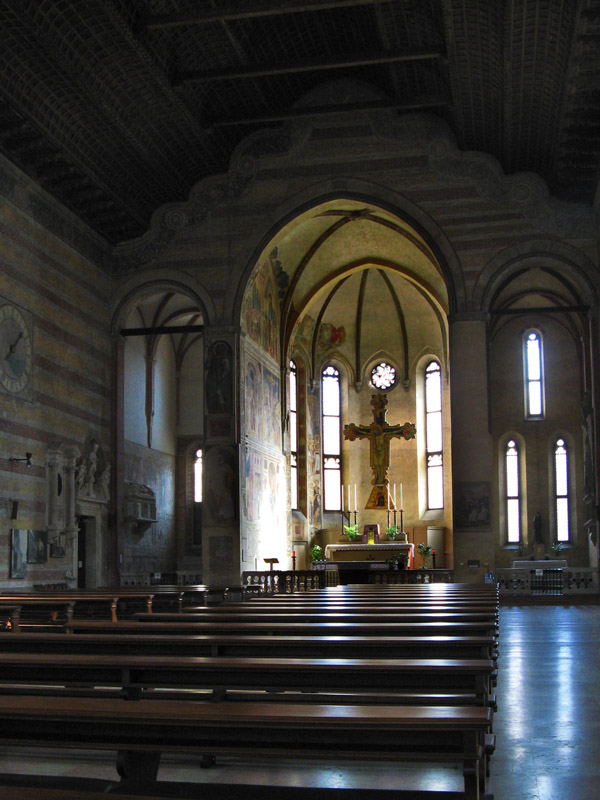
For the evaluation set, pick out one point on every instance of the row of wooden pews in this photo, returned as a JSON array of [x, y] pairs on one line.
[[347, 674]]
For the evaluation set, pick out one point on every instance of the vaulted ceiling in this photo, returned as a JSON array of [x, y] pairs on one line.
[[118, 106]]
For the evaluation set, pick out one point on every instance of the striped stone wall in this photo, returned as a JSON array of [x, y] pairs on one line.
[[69, 400]]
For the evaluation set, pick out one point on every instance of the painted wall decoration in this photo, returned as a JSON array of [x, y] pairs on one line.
[[220, 556], [262, 404], [37, 551], [18, 554], [313, 453], [219, 379], [260, 308], [220, 486], [472, 504], [330, 336]]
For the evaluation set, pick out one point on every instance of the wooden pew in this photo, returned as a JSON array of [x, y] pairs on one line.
[[46, 607], [172, 625], [63, 788], [309, 646], [140, 731], [319, 615], [343, 680]]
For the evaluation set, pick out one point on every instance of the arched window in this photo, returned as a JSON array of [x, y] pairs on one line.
[[293, 399], [331, 438], [433, 435], [561, 490], [533, 362], [512, 492], [197, 521]]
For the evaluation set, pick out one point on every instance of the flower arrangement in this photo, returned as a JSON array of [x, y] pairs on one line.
[[352, 531], [316, 552], [425, 551], [556, 548], [391, 531]]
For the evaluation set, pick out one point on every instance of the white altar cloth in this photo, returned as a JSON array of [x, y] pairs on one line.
[[382, 549], [541, 563]]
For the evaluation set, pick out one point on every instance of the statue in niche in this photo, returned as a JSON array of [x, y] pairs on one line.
[[86, 470]]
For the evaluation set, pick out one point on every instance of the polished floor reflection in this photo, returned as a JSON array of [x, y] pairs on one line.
[[547, 726]]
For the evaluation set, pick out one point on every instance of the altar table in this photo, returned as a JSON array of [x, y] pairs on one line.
[[361, 551]]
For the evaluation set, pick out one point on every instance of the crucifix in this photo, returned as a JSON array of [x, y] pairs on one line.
[[379, 433]]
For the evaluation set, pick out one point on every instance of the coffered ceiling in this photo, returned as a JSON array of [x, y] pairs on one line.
[[118, 106]]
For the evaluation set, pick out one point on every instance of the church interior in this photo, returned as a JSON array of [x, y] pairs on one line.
[[276, 274]]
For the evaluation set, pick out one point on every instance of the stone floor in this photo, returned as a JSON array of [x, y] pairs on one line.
[[547, 725]]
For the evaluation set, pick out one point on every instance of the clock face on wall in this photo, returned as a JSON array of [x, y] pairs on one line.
[[15, 350], [383, 376]]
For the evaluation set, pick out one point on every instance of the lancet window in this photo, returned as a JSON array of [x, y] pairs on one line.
[[512, 492], [433, 435], [561, 490], [533, 364], [331, 430], [293, 427]]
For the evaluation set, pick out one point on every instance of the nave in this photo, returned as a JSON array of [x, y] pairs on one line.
[[547, 726]]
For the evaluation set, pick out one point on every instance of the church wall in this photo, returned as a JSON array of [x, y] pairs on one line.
[[134, 408], [155, 548], [69, 399], [264, 468], [563, 417], [165, 413], [191, 392]]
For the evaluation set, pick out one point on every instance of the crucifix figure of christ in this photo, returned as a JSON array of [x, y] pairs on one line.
[[379, 433]]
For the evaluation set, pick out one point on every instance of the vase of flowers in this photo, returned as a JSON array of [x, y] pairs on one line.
[[352, 531], [392, 532], [425, 551]]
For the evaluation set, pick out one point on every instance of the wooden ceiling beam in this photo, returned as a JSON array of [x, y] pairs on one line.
[[245, 9], [434, 101], [258, 70]]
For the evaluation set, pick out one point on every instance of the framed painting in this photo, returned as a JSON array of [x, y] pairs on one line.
[[18, 554], [37, 551]]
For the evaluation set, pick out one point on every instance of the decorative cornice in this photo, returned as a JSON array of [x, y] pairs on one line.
[[525, 191], [207, 195]]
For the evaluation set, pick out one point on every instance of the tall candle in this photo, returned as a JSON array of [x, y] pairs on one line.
[[394, 497], [342, 499], [355, 497], [348, 497], [401, 503], [388, 491]]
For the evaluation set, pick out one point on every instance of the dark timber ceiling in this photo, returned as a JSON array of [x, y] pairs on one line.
[[118, 106]]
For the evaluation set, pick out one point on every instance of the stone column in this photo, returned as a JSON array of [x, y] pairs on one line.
[[474, 511]]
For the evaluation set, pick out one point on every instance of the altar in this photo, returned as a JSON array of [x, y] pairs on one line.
[[541, 563], [364, 551]]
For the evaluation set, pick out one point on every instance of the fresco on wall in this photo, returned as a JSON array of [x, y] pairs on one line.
[[313, 453], [220, 481], [330, 336], [220, 557], [219, 379], [252, 481], [263, 501], [260, 308], [262, 404]]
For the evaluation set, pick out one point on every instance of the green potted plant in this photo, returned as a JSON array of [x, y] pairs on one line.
[[425, 551], [557, 548], [391, 532], [352, 531], [316, 552]]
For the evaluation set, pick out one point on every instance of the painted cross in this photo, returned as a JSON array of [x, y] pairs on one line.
[[379, 434]]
